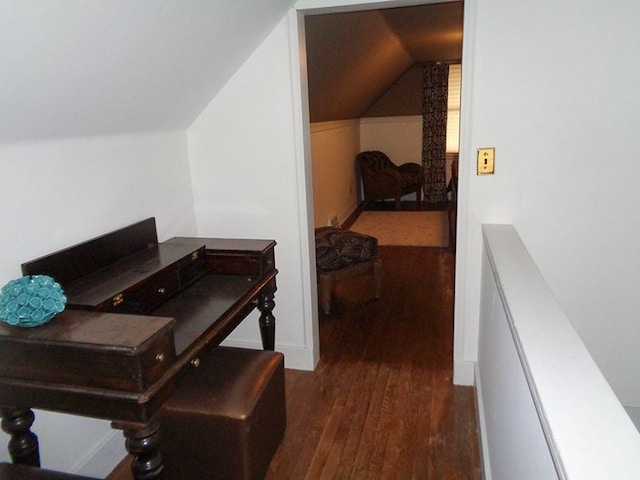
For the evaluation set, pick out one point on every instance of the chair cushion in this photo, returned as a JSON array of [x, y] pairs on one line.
[[337, 248]]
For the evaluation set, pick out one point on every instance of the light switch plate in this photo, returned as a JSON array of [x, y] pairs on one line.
[[486, 161]]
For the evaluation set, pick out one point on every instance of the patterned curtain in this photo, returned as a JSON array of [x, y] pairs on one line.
[[435, 81]]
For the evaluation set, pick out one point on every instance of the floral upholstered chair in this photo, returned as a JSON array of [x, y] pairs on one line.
[[382, 179]]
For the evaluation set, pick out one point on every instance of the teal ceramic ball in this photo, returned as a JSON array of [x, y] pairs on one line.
[[31, 301]]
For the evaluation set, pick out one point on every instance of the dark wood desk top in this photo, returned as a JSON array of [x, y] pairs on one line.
[[101, 360], [219, 297], [70, 348], [83, 329], [91, 290], [229, 245]]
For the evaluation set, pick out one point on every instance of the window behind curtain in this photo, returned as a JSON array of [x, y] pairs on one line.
[[453, 108]]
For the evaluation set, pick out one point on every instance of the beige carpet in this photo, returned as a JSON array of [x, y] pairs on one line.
[[409, 229]]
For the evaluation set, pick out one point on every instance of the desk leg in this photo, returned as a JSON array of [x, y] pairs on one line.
[[142, 443], [23, 445], [267, 321]]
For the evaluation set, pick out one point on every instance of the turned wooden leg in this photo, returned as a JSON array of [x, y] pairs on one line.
[[143, 443], [23, 445], [325, 286], [267, 321]]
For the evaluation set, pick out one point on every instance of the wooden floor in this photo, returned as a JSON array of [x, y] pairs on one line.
[[381, 404]]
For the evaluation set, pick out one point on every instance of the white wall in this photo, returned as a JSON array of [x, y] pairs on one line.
[[337, 188], [551, 100], [248, 182], [552, 86], [334, 146], [80, 69], [399, 137], [57, 193]]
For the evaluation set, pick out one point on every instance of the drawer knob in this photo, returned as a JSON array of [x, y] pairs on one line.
[[195, 362], [161, 290], [160, 357]]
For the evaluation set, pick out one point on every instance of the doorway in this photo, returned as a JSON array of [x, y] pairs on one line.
[[338, 100]]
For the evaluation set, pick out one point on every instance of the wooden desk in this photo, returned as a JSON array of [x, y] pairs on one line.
[[98, 359]]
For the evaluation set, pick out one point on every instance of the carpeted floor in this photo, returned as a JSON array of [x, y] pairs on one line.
[[410, 229]]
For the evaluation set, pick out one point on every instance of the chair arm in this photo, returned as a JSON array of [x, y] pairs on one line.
[[411, 169]]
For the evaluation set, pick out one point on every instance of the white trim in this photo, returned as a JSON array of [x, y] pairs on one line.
[[466, 310], [100, 460], [464, 372], [295, 357], [338, 6], [587, 430], [333, 125], [463, 336], [304, 183], [482, 428]]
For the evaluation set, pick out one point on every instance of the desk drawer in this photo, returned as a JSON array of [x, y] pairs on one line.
[[88, 349], [247, 264], [144, 297]]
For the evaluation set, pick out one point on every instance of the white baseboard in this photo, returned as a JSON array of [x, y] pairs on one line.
[[464, 373], [295, 358], [101, 461]]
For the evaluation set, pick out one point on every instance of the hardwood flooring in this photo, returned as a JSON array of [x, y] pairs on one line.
[[381, 403]]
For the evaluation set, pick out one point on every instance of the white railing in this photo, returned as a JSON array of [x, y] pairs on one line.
[[545, 409]]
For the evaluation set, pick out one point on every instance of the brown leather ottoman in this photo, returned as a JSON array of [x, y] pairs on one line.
[[227, 417], [9, 471]]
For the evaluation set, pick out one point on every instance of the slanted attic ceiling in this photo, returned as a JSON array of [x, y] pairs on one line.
[[98, 67], [354, 58]]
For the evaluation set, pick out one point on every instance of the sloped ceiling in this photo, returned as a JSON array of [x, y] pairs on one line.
[[354, 58], [82, 68]]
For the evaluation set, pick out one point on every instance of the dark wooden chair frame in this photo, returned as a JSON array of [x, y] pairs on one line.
[[383, 179]]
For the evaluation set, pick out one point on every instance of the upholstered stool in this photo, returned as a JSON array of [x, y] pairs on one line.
[[10, 471], [342, 254], [227, 417]]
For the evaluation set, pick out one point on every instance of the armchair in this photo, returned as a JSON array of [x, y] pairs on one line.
[[382, 179]]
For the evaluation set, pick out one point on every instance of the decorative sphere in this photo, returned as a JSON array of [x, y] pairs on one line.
[[31, 301]]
